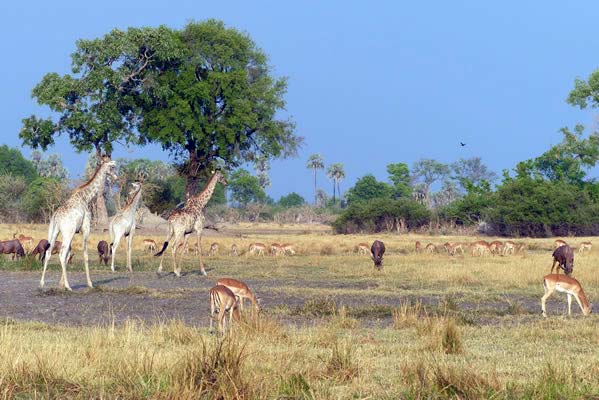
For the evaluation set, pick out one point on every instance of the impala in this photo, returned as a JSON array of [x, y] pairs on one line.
[[213, 250], [234, 252], [288, 249], [452, 248], [585, 246], [276, 249], [26, 241], [222, 300], [418, 247], [496, 247], [431, 248], [559, 243], [240, 290], [508, 247], [568, 285], [480, 248], [257, 249], [149, 245], [362, 249]]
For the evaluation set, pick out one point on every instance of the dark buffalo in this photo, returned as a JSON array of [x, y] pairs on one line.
[[378, 249], [43, 245], [12, 247], [564, 257], [103, 251]]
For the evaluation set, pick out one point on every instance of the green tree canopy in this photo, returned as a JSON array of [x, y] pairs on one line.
[[399, 174], [368, 188], [336, 173], [291, 200], [472, 172], [245, 188], [12, 162]]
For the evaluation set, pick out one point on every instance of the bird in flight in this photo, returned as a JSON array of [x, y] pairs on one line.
[[462, 144]]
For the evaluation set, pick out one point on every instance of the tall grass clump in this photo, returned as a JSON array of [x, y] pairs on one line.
[[341, 364]]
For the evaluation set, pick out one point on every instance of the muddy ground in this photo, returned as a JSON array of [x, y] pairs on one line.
[[152, 298]]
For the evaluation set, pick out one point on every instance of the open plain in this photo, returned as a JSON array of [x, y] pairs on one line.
[[428, 325]]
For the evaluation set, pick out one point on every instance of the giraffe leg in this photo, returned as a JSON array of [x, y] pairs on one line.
[[176, 242], [202, 270], [64, 253], [85, 229], [129, 249], [168, 239], [52, 235], [114, 246]]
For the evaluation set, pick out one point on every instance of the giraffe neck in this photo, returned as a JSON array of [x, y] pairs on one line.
[[133, 203], [200, 200], [95, 185]]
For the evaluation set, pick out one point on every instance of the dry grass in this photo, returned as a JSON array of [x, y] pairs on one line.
[[460, 327]]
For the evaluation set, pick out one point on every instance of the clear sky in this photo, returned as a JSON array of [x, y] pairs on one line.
[[370, 83]]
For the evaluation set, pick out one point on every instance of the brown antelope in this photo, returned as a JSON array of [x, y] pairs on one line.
[[480, 247], [276, 249], [213, 250], [26, 241], [521, 248], [508, 247], [362, 249], [43, 245], [431, 248], [496, 247], [257, 249], [104, 251], [558, 243], [585, 246], [13, 247], [418, 247], [568, 285], [288, 249], [240, 290], [234, 252], [222, 300], [149, 245], [452, 248]]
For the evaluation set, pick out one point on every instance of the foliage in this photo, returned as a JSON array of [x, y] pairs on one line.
[[43, 197], [315, 162], [12, 188], [399, 175], [49, 167], [291, 200], [472, 171], [382, 214], [336, 173], [368, 188], [12, 162], [215, 101], [245, 188]]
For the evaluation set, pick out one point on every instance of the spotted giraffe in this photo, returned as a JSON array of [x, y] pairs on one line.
[[123, 224], [75, 217], [183, 222]]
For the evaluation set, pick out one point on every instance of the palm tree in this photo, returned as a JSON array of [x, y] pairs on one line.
[[315, 162], [336, 173]]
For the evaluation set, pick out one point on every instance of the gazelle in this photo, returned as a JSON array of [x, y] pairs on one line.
[[431, 248], [418, 247], [288, 249], [558, 243], [452, 248], [241, 290], [508, 247], [213, 250], [362, 249], [257, 249], [585, 246], [222, 300], [568, 285], [496, 247], [276, 249], [234, 252], [149, 245], [480, 248]]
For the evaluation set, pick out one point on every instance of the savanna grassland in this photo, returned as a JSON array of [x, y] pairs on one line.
[[427, 326]]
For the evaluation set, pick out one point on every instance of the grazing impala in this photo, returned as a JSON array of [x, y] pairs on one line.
[[213, 250], [257, 249], [452, 248], [568, 285], [508, 247], [241, 290], [362, 249], [288, 249], [585, 246], [222, 300], [559, 243], [234, 252], [480, 248], [149, 245], [418, 247], [26, 241], [496, 247], [431, 248], [276, 249]]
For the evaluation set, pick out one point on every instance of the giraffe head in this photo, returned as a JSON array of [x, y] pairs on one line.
[[136, 185], [111, 165], [220, 177]]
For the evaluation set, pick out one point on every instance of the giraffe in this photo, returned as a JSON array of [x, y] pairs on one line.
[[188, 219], [123, 224], [74, 217]]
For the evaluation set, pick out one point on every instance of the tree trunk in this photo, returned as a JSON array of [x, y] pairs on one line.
[[191, 187], [334, 200], [315, 199]]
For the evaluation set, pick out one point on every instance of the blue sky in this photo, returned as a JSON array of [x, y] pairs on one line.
[[370, 83]]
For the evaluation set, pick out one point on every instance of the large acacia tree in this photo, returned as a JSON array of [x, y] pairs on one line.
[[215, 104]]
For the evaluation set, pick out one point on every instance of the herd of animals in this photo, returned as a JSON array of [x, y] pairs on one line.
[[227, 297]]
